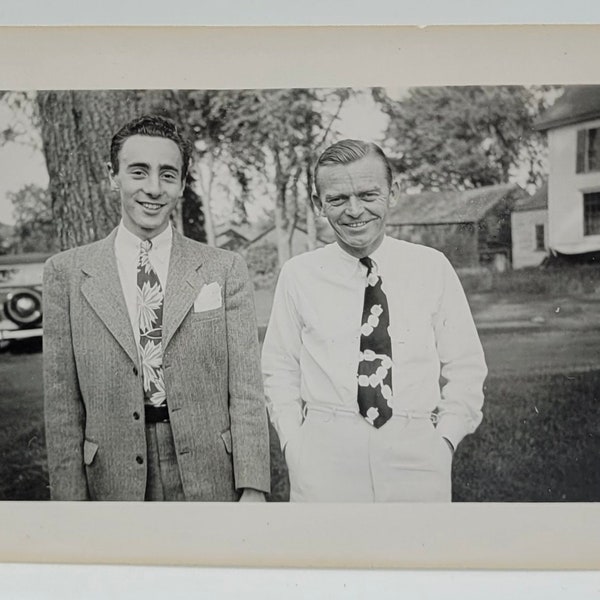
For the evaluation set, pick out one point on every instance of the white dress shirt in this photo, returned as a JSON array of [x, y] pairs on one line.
[[127, 252], [311, 348]]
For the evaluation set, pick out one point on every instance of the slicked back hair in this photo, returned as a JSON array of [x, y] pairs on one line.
[[153, 126], [348, 151]]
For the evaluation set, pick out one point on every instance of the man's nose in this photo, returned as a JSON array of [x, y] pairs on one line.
[[152, 185], [354, 206]]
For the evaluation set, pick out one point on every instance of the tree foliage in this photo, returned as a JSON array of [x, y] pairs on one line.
[[76, 128], [266, 139], [464, 137], [273, 136], [34, 227]]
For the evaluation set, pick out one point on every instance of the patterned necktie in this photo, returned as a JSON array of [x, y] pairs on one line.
[[375, 361], [150, 317]]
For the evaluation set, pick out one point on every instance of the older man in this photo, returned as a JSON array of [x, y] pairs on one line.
[[360, 332], [152, 374]]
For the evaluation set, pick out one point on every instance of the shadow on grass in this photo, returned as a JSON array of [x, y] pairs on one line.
[[25, 346], [539, 442]]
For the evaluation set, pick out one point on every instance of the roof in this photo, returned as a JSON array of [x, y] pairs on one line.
[[577, 104], [539, 200], [24, 259], [249, 232], [468, 206], [253, 233]]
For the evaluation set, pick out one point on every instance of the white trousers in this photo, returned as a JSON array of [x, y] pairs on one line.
[[339, 457]]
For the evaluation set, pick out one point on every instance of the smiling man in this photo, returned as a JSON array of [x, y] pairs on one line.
[[151, 364], [359, 335]]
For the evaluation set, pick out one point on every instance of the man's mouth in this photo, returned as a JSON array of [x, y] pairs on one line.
[[150, 206], [357, 224]]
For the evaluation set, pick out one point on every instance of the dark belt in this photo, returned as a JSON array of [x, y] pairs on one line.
[[156, 414]]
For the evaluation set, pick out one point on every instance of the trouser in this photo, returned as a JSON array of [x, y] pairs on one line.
[[339, 457], [163, 479]]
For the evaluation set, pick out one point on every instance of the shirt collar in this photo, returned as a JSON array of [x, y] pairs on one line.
[[128, 244], [377, 255]]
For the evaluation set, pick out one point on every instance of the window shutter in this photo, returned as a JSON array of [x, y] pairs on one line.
[[581, 135]]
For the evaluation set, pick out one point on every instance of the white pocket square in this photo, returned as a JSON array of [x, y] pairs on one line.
[[209, 298]]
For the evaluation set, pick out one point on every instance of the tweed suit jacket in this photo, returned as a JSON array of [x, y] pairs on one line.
[[94, 405]]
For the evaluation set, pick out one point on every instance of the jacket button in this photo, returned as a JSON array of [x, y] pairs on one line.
[[139, 460], [135, 371], [136, 415]]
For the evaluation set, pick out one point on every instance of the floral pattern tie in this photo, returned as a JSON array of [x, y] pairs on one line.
[[150, 317], [375, 359]]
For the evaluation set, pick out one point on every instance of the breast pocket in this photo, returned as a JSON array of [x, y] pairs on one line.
[[208, 315]]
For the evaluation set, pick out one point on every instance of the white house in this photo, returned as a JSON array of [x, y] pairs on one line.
[[573, 126], [529, 225]]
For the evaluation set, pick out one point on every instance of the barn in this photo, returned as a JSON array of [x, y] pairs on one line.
[[472, 227]]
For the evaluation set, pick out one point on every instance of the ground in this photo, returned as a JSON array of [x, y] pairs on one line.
[[539, 440]]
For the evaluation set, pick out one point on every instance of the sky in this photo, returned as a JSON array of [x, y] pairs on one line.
[[20, 164]]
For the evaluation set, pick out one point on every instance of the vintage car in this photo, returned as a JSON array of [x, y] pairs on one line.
[[21, 295]]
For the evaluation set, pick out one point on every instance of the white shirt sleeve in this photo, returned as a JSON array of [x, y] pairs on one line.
[[281, 361], [463, 367]]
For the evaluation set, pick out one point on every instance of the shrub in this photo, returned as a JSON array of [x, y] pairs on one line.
[[573, 279], [262, 265]]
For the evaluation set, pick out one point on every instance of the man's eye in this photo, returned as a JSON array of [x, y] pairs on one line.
[[138, 173], [169, 176], [336, 201], [370, 196]]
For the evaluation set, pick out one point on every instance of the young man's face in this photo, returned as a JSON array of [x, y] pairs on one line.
[[355, 198], [149, 180]]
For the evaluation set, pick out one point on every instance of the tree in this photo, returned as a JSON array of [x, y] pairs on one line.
[[273, 135], [34, 226], [464, 137], [76, 128]]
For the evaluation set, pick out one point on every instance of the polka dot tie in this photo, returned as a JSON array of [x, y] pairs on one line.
[[375, 360], [150, 300]]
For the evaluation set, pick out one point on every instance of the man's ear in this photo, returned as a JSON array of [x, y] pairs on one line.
[[317, 205], [395, 192], [111, 176]]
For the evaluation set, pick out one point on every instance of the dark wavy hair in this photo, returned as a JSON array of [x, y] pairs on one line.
[[154, 126]]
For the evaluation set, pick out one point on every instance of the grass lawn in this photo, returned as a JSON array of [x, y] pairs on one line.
[[539, 440], [23, 470]]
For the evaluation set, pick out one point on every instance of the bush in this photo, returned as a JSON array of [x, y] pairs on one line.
[[262, 265], [574, 279], [475, 279]]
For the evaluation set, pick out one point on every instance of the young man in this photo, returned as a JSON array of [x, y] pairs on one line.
[[151, 370], [359, 334]]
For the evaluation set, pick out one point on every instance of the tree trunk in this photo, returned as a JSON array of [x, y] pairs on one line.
[[77, 127], [311, 222], [209, 224], [283, 246]]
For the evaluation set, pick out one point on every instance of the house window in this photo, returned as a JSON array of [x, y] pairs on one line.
[[588, 150], [591, 213], [540, 243]]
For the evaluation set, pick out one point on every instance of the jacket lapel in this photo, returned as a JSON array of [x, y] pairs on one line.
[[102, 289], [183, 285]]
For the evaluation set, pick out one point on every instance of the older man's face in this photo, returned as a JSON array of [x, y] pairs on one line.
[[355, 199]]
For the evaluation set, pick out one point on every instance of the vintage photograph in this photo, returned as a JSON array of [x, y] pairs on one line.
[[347, 294]]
